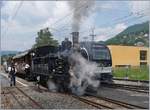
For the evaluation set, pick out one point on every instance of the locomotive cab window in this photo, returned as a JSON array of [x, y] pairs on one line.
[[143, 55]]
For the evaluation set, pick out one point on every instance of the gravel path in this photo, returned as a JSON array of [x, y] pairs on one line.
[[47, 100], [57, 100]]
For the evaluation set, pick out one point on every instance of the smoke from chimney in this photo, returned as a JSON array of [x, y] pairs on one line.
[[81, 9]]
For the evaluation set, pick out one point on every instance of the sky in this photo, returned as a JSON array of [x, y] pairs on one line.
[[21, 20]]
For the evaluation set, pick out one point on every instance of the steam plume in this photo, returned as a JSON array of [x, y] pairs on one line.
[[82, 73], [51, 86], [81, 10]]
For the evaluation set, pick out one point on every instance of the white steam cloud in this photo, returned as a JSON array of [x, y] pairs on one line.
[[52, 86], [81, 10], [83, 73]]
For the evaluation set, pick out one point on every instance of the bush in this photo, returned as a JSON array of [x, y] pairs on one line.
[[135, 73]]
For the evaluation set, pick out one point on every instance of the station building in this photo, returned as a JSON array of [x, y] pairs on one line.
[[129, 55]]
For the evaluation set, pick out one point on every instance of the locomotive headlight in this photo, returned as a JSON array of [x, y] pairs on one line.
[[53, 70], [32, 54]]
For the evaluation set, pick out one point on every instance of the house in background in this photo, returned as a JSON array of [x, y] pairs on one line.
[[129, 55]]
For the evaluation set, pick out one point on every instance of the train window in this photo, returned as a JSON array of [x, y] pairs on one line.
[[101, 54], [143, 55]]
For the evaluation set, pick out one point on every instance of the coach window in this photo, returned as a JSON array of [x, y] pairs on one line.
[[143, 55]]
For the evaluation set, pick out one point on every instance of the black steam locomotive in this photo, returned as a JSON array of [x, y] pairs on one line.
[[52, 66]]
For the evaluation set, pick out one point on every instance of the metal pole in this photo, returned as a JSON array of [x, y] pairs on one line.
[[93, 35]]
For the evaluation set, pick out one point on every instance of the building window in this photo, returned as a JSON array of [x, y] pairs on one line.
[[143, 63], [143, 55]]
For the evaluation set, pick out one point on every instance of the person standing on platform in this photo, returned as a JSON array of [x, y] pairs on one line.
[[27, 71], [12, 75]]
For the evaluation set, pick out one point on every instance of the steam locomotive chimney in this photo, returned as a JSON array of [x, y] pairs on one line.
[[75, 39]]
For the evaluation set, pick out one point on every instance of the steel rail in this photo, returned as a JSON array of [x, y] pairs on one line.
[[129, 87], [34, 87], [16, 98], [142, 81], [134, 89], [123, 104], [36, 103], [94, 104], [133, 86]]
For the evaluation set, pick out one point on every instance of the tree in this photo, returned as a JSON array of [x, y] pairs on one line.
[[45, 38], [6, 58]]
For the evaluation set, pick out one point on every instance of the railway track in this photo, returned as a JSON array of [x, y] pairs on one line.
[[21, 98], [142, 89], [112, 104], [92, 103], [142, 81], [90, 99]]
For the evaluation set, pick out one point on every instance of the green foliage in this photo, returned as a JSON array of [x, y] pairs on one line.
[[6, 57], [136, 73], [45, 38], [131, 35]]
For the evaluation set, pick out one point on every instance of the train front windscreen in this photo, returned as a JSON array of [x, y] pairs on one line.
[[101, 54]]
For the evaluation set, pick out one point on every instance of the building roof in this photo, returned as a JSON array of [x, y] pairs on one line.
[[125, 46], [21, 54]]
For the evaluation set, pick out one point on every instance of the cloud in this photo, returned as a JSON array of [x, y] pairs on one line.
[[35, 15], [31, 17], [120, 27], [140, 7], [108, 32], [2, 3], [104, 6], [60, 9], [32, 13]]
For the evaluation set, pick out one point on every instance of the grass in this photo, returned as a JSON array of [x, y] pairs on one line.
[[135, 73]]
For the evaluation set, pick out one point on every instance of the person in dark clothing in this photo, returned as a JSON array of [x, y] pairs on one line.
[[66, 44], [12, 75], [27, 71]]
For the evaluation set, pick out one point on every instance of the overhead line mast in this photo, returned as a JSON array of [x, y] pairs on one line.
[[126, 20], [93, 35]]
